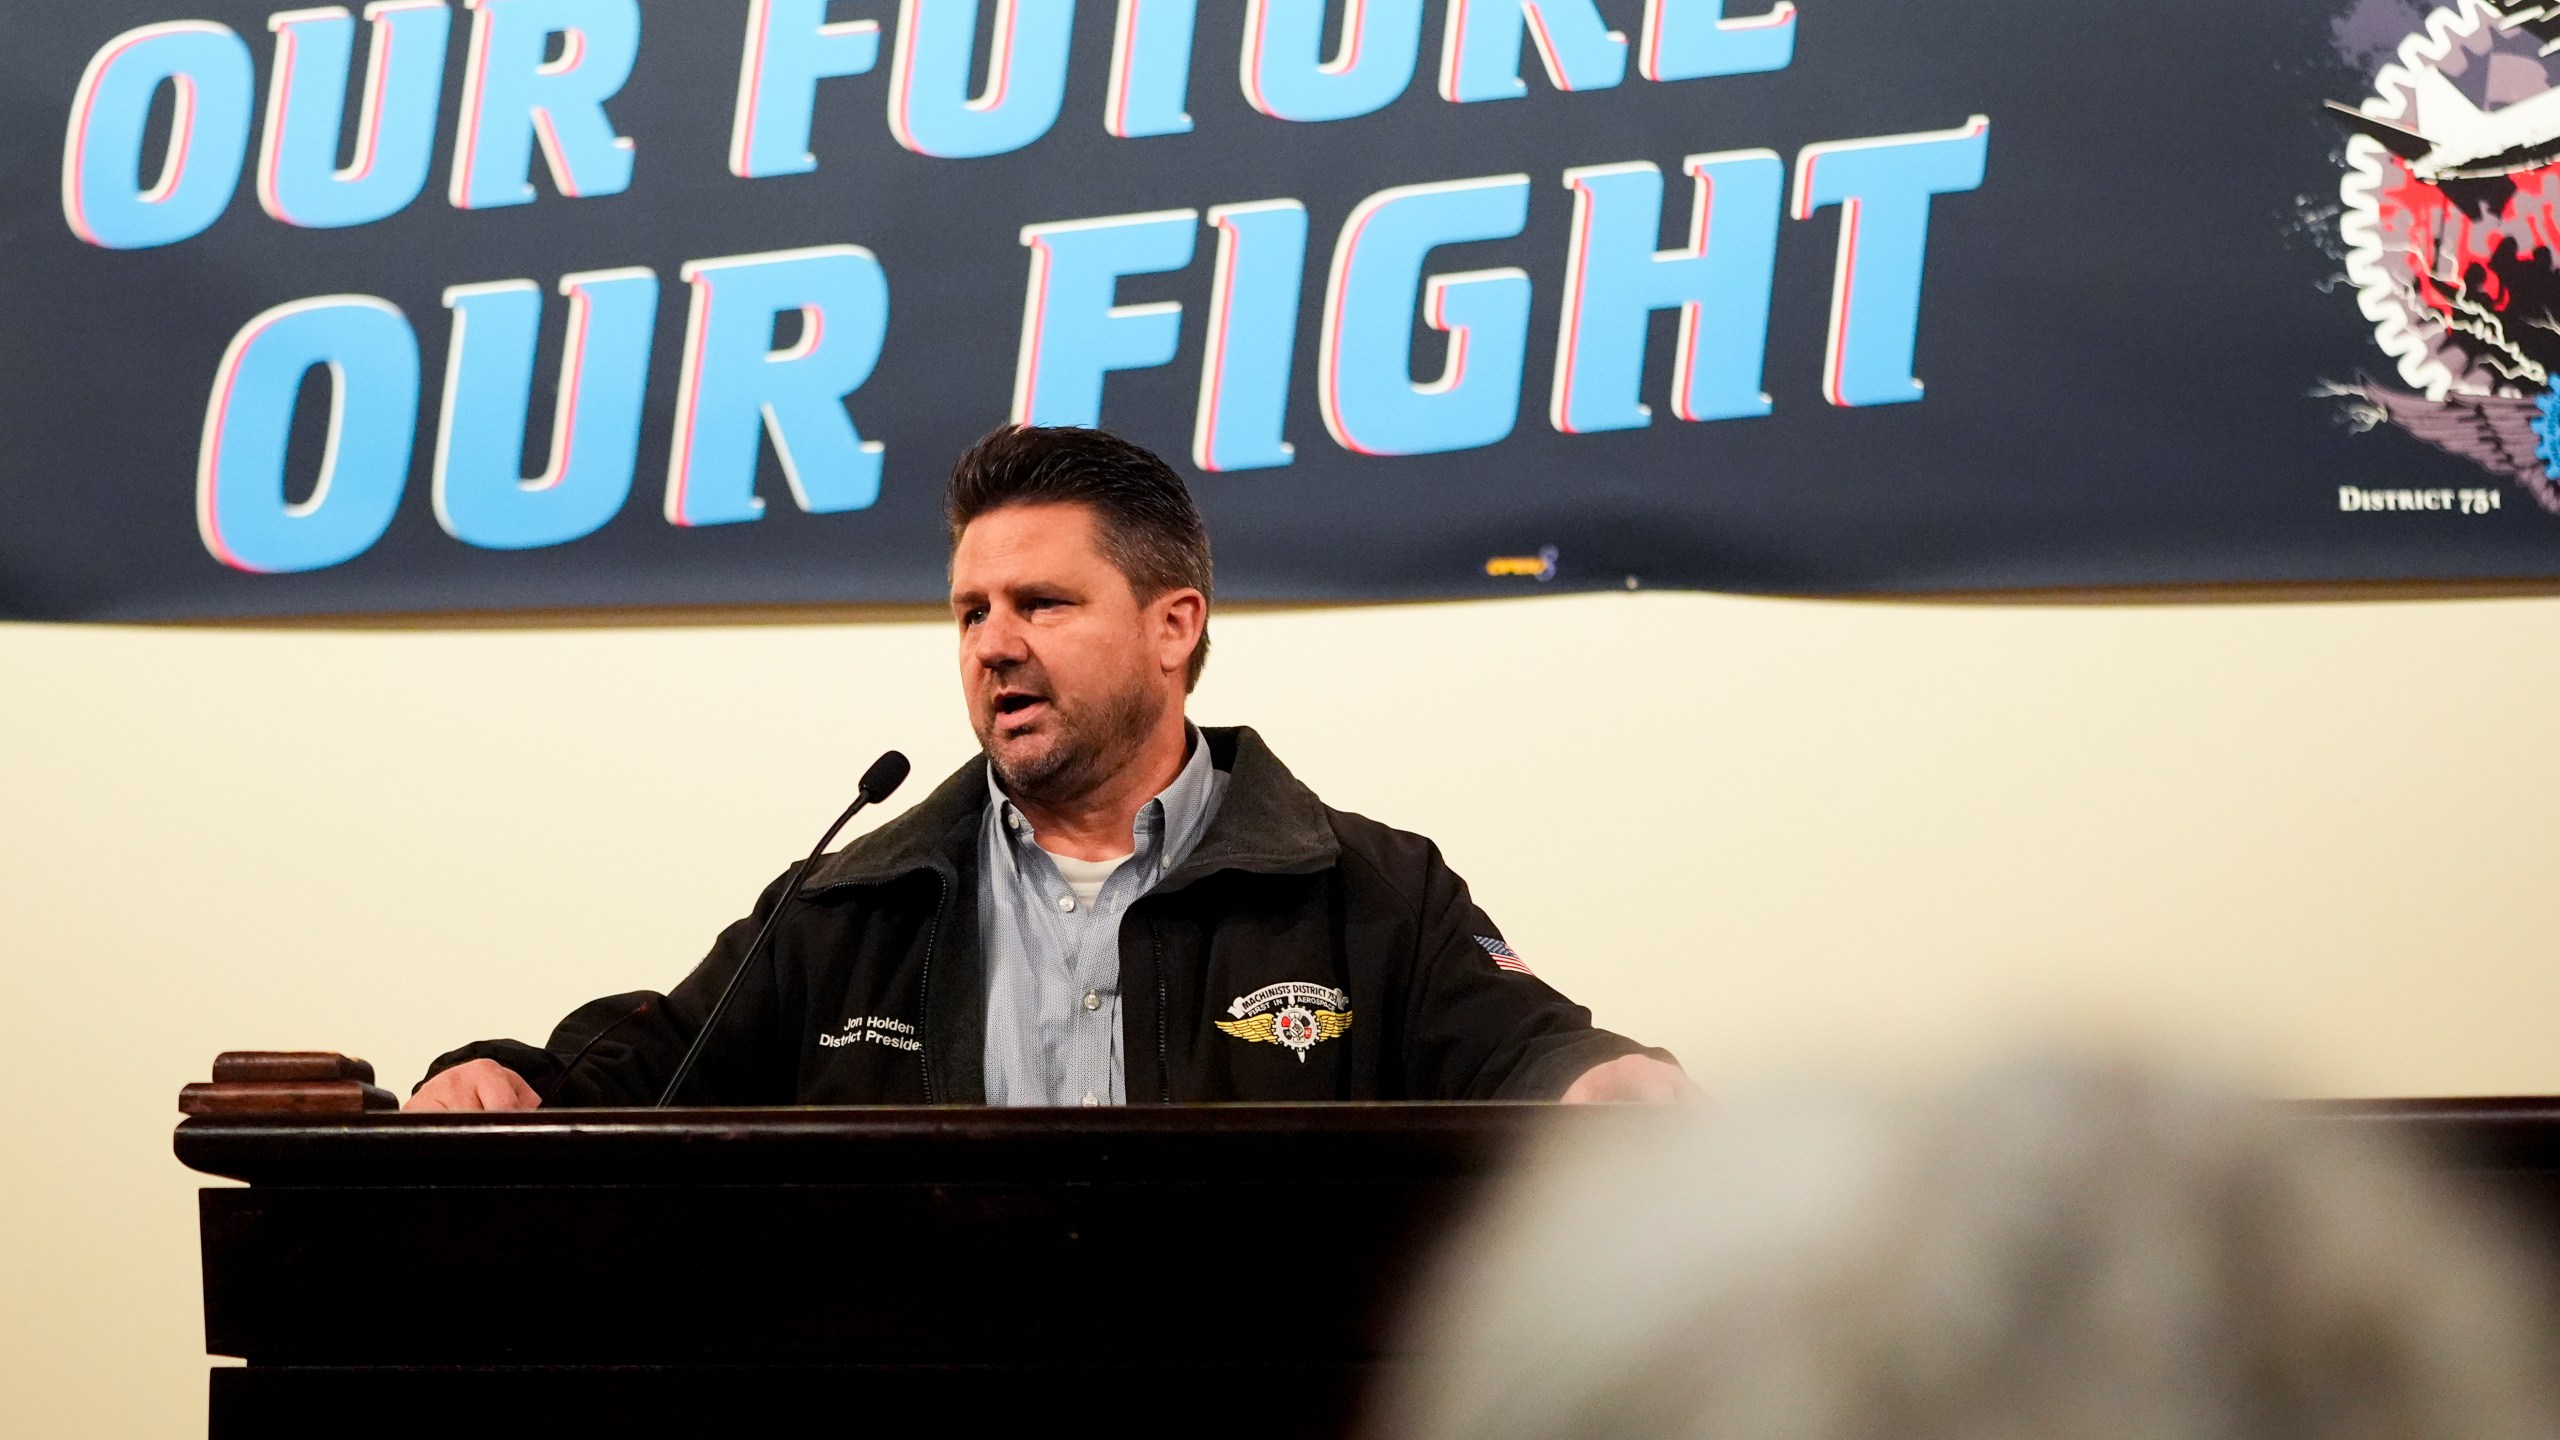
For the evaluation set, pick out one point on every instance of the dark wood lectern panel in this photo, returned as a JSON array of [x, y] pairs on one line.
[[1226, 1271], [1208, 1402], [806, 1274]]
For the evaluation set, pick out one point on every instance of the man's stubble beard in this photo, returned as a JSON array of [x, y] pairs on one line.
[[1083, 752]]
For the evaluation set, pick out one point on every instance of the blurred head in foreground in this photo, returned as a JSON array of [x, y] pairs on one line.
[[2051, 1255]]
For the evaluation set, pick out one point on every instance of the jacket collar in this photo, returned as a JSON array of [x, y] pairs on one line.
[[1268, 822]]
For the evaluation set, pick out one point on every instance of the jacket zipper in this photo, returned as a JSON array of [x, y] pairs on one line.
[[924, 983], [1164, 1064]]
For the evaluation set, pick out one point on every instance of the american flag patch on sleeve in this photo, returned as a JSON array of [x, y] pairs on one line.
[[1503, 958]]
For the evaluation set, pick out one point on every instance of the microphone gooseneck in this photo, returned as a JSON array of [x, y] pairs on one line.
[[885, 775]]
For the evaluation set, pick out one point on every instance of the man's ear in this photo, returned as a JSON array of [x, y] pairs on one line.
[[1179, 617]]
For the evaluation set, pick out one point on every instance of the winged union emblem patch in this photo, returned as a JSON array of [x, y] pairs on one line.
[[1293, 1013]]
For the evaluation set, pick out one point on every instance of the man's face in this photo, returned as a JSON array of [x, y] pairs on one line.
[[1055, 656]]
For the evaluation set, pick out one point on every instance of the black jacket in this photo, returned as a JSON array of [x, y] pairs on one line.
[[1341, 956]]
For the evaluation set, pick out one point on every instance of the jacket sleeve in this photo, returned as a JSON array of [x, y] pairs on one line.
[[632, 1043], [1478, 1031]]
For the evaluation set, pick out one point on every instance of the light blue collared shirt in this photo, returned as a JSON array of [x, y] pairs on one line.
[[1053, 962]]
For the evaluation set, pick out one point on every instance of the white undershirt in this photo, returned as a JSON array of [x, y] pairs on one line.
[[1085, 877]]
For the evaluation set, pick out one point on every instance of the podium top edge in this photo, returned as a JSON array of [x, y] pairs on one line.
[[876, 1144], [1382, 1141]]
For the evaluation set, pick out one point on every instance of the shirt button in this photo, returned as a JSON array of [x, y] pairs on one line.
[[1092, 1000], [1067, 903], [1090, 1099]]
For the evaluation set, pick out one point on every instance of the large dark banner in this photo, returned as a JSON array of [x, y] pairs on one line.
[[520, 304]]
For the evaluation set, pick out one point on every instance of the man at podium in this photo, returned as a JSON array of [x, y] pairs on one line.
[[1111, 905]]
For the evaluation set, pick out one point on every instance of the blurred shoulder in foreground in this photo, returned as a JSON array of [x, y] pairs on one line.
[[2051, 1252]]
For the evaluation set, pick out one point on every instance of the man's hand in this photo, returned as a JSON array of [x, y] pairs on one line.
[[488, 1085], [1636, 1078]]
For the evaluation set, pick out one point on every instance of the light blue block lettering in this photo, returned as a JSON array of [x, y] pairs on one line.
[[514, 101], [1720, 283], [481, 495], [931, 111], [1882, 186], [1253, 335], [299, 179], [1151, 68], [1287, 76], [371, 357], [1480, 50], [1074, 332], [1365, 384], [1692, 40], [735, 385], [790, 47], [104, 198]]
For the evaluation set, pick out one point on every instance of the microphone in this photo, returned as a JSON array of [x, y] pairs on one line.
[[886, 774]]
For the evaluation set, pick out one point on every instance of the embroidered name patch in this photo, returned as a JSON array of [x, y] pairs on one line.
[[876, 1029], [1294, 1014]]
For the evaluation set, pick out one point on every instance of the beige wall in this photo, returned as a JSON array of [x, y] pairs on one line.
[[2319, 841]]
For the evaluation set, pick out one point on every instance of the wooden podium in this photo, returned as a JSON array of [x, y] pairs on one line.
[[1222, 1271], [1227, 1271]]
